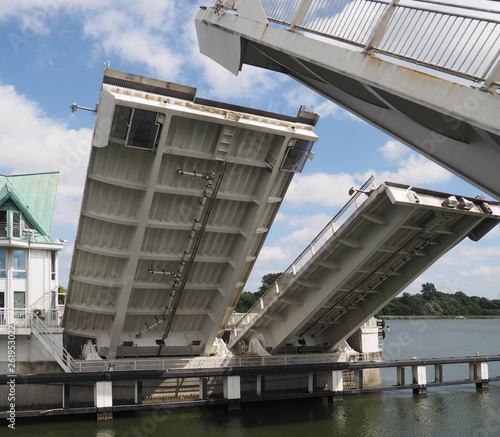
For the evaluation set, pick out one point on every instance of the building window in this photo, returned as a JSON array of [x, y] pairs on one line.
[[53, 265], [3, 223], [2, 307], [19, 302], [16, 224], [19, 264], [3, 263]]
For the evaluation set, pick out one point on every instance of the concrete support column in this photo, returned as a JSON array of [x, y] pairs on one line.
[[401, 376], [261, 385], [138, 392], [311, 382], [103, 399], [438, 373], [232, 391], [335, 383], [419, 377], [203, 389], [65, 395], [479, 372], [358, 378]]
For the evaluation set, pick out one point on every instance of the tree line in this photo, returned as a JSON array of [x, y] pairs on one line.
[[431, 302]]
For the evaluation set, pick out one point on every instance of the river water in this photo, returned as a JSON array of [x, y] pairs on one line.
[[451, 411]]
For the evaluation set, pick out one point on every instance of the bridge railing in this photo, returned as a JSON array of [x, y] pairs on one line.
[[456, 39], [277, 289], [211, 362]]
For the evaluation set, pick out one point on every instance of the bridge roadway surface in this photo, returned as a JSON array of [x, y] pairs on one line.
[[179, 196], [356, 265], [425, 72]]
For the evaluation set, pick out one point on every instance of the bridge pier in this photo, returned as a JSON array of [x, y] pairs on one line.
[[138, 392], [232, 392], [203, 382], [419, 377], [400, 375], [479, 372], [65, 395], [358, 378], [311, 382], [103, 399], [261, 385], [438, 373], [335, 383]]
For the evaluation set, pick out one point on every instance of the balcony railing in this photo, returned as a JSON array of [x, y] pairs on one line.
[[17, 232], [21, 317]]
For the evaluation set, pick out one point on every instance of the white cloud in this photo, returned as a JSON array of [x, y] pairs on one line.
[[40, 144], [319, 189], [467, 254], [413, 170], [135, 34], [394, 150]]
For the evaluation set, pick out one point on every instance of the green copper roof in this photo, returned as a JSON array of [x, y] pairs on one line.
[[34, 195]]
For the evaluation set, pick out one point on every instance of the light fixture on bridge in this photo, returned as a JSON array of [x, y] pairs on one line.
[[160, 342], [353, 190], [74, 107]]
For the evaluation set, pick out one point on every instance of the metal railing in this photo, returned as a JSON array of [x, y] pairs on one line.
[[278, 288], [457, 39], [211, 362], [17, 232], [45, 335], [20, 317]]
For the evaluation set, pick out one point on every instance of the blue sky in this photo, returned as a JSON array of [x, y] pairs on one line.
[[53, 53]]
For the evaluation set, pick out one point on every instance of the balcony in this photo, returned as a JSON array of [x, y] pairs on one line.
[[21, 317], [15, 232]]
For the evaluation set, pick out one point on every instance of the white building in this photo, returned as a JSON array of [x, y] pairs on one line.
[[28, 262]]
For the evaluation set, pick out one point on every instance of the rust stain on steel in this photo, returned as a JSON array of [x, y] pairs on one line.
[[264, 31]]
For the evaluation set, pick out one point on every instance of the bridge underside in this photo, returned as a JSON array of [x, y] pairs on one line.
[[179, 197], [395, 235], [455, 125]]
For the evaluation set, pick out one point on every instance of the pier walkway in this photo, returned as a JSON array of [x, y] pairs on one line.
[[234, 385]]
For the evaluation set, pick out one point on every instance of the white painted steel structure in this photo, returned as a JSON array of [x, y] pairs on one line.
[[425, 72], [179, 197], [359, 263]]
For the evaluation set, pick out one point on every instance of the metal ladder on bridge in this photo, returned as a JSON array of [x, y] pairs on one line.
[[44, 334]]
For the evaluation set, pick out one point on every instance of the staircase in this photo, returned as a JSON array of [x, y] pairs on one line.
[[46, 337]]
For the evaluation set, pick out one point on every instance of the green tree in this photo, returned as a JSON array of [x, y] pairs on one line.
[[267, 281], [429, 291], [61, 295], [248, 299]]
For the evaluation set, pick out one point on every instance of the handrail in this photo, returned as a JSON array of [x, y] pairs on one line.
[[287, 277], [455, 39], [211, 362], [44, 333]]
